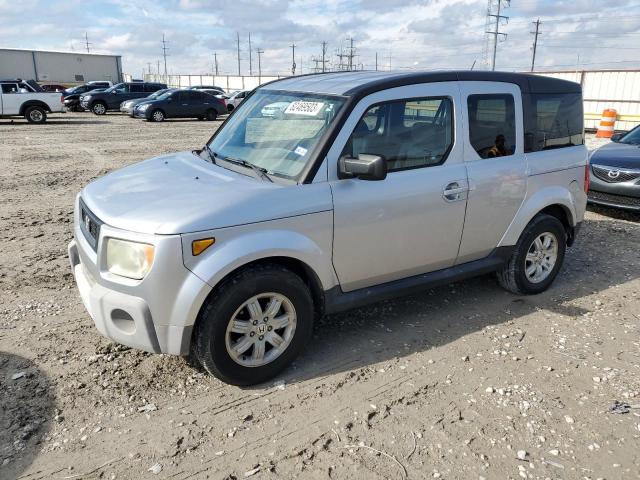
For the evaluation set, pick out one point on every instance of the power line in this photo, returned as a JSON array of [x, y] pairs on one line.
[[496, 32], [535, 43], [164, 54]]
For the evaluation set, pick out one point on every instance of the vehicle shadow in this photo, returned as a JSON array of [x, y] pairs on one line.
[[616, 213], [54, 121], [436, 317], [27, 405]]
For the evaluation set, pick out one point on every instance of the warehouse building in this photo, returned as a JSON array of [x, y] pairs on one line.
[[67, 68]]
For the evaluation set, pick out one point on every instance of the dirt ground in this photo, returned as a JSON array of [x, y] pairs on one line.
[[460, 382]]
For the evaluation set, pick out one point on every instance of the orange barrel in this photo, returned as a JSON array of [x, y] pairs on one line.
[[607, 122]]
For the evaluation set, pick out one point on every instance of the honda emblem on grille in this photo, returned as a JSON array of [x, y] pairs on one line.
[[613, 173]]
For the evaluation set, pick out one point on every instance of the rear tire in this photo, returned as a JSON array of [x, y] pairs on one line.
[[35, 114], [226, 322], [99, 108], [537, 258]]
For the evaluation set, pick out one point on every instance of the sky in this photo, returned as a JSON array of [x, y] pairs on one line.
[[421, 35]]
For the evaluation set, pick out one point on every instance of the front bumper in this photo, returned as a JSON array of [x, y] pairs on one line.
[[155, 314], [139, 114], [623, 195]]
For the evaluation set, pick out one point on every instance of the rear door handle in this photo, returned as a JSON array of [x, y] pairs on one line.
[[455, 191]]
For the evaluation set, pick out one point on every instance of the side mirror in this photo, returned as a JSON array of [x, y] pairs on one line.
[[365, 167], [113, 92], [616, 137]]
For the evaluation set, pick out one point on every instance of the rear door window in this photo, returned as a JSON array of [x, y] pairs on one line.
[[137, 88], [492, 124]]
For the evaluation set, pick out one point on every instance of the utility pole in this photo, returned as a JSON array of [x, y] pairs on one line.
[[215, 62], [496, 31], [351, 55], [324, 56], [158, 68], [535, 43], [149, 67], [250, 62], [238, 42], [86, 42], [376, 61], [259, 52], [164, 54], [322, 60], [293, 59]]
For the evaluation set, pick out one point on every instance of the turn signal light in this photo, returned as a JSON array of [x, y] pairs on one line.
[[199, 246], [587, 180]]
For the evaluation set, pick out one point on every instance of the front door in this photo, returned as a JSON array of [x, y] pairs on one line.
[[411, 222], [496, 164]]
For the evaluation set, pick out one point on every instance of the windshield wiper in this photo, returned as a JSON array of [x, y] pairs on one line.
[[211, 153], [260, 171]]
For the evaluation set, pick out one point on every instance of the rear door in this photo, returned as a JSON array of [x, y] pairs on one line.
[[11, 99], [411, 222], [137, 90], [496, 164]]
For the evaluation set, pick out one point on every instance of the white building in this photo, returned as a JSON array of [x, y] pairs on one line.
[[59, 67]]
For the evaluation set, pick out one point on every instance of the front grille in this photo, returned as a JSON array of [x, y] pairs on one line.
[[614, 199], [89, 225], [615, 175]]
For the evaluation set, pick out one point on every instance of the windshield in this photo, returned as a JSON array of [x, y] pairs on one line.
[[80, 89], [159, 93], [277, 131], [120, 87], [633, 137]]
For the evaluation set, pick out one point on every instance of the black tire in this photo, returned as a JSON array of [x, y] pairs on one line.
[[513, 277], [156, 116], [35, 114], [210, 115], [209, 337], [230, 108], [98, 108]]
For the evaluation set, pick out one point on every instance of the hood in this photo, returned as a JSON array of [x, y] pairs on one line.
[[621, 155], [181, 193]]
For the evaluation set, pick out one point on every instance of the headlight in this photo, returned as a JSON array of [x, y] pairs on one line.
[[129, 259], [143, 107]]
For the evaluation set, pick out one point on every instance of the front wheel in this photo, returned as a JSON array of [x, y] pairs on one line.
[[99, 108], [157, 116], [35, 115], [537, 258], [211, 115], [254, 325]]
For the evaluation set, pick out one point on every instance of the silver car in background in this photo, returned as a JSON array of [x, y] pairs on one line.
[[366, 186]]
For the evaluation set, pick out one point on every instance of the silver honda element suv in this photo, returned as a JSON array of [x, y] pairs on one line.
[[322, 193]]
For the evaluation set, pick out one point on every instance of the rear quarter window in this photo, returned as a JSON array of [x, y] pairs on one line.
[[553, 121], [492, 124]]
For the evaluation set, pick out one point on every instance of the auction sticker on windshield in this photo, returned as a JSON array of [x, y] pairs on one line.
[[310, 109]]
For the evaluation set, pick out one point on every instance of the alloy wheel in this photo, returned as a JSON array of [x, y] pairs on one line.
[[541, 257]]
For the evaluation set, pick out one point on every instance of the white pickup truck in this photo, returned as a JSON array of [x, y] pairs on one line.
[[27, 99]]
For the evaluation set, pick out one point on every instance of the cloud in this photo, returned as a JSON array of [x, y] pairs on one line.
[[426, 34]]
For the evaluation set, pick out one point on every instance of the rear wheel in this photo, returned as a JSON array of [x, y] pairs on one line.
[[257, 322], [35, 115], [537, 258], [99, 108]]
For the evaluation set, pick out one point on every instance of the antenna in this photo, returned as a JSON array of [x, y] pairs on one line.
[[535, 42], [86, 42]]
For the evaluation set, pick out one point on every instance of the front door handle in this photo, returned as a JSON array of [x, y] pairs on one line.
[[454, 191]]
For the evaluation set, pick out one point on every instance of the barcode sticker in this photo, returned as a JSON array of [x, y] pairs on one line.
[[310, 109]]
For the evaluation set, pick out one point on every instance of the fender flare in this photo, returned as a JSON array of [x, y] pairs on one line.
[[34, 103], [546, 197]]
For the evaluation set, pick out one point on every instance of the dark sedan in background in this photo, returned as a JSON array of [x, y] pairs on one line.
[[181, 104], [615, 172], [128, 105]]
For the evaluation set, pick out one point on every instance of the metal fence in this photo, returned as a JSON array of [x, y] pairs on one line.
[[617, 89], [228, 82], [601, 89]]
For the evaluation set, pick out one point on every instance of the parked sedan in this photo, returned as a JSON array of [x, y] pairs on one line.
[[615, 172], [128, 105], [181, 104], [236, 99], [72, 95]]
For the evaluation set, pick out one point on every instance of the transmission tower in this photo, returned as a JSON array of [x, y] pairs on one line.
[[492, 30], [321, 62]]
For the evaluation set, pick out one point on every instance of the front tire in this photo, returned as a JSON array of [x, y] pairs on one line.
[[210, 115], [157, 116], [254, 326], [99, 108], [537, 258], [35, 115]]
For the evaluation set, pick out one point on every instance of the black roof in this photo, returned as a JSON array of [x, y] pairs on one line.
[[358, 83]]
